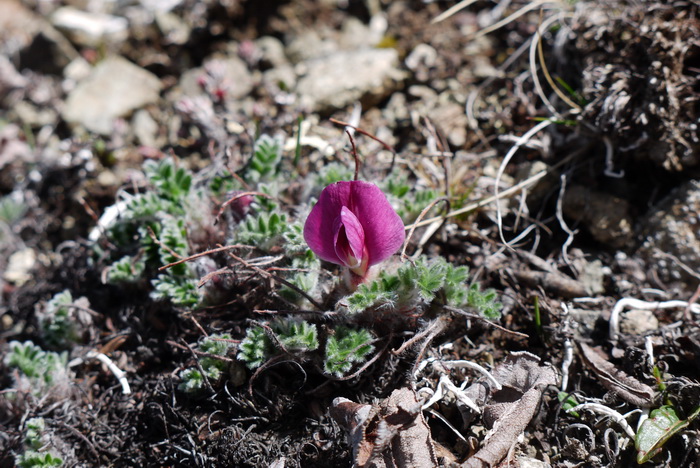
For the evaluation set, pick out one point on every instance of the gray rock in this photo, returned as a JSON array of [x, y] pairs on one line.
[[335, 81], [145, 128], [309, 45], [90, 29], [271, 52], [638, 322], [673, 228], [114, 88], [229, 74]]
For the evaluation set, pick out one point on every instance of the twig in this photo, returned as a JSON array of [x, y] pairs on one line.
[[485, 320], [524, 138], [543, 64], [81, 436], [354, 154], [693, 299], [205, 378], [157, 241], [364, 366], [238, 196], [118, 373], [506, 193], [609, 163], [438, 325], [536, 45], [202, 254], [566, 363], [279, 279], [461, 364], [365, 133]]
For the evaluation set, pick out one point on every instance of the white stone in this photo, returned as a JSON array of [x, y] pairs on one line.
[[90, 29], [114, 88]]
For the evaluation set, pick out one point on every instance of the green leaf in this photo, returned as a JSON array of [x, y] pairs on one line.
[[296, 335], [179, 290], [256, 348], [173, 245], [345, 348], [12, 208], [170, 182], [568, 402], [267, 153], [263, 231], [662, 424], [37, 364], [126, 270], [32, 459]]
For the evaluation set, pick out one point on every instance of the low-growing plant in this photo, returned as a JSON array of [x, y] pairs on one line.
[[37, 371], [37, 454], [408, 201], [267, 154], [417, 285], [345, 348], [214, 369], [33, 459], [63, 320]]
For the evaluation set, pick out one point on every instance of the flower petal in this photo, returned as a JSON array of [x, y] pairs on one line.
[[349, 238], [318, 229], [384, 229]]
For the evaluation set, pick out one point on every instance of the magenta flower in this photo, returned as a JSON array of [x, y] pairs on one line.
[[353, 225]]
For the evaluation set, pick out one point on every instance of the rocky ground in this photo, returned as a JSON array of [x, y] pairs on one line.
[[550, 147]]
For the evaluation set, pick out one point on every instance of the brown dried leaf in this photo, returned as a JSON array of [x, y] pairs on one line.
[[510, 409], [625, 386], [391, 434]]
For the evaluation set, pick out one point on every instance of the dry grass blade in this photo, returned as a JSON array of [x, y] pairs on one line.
[[543, 64], [420, 216], [452, 11], [513, 17]]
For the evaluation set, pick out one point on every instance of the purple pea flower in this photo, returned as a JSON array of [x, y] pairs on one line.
[[354, 225]]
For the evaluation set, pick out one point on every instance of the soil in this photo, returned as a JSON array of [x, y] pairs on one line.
[[616, 216]]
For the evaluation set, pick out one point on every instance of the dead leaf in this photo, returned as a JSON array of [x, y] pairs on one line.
[[510, 409], [390, 434], [625, 386]]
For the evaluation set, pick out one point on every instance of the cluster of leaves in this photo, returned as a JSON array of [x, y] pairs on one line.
[[36, 455], [297, 338], [419, 284], [42, 368], [408, 203], [214, 368], [153, 224], [62, 321]]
